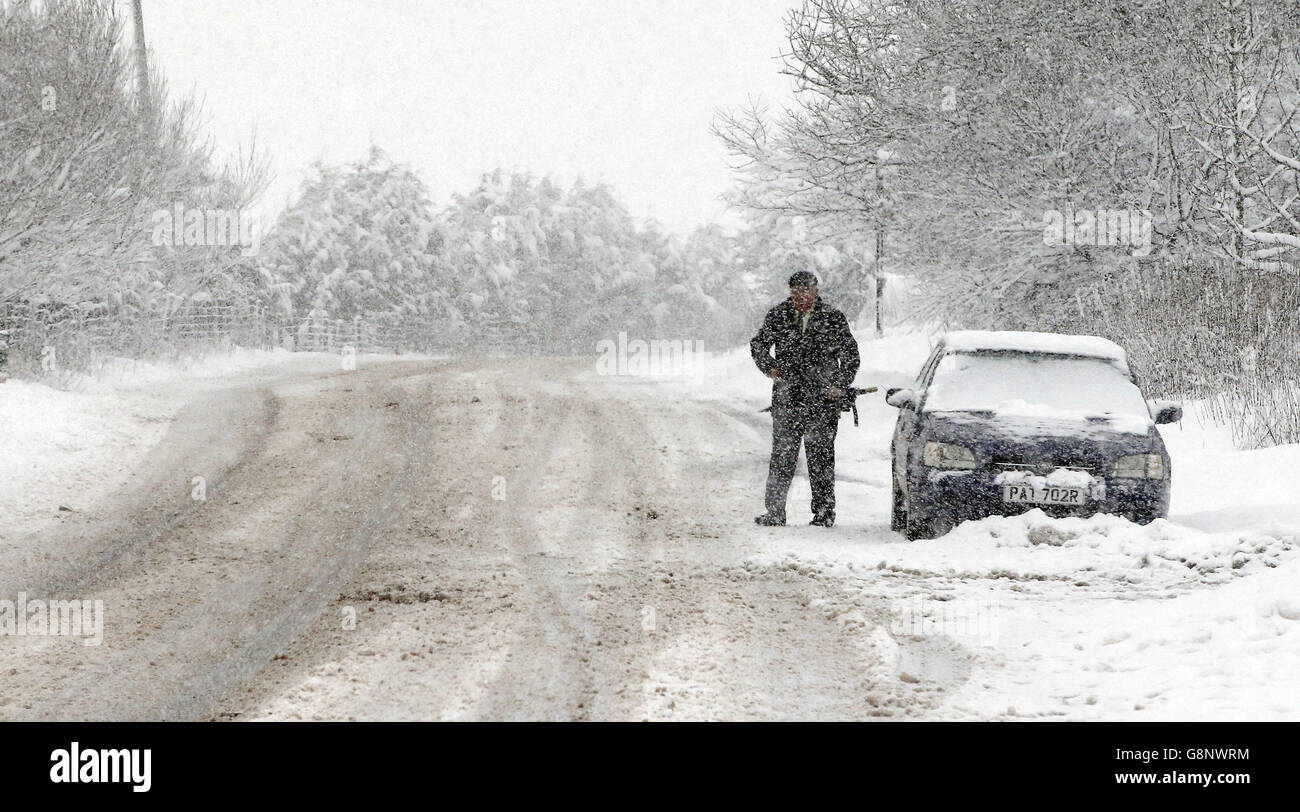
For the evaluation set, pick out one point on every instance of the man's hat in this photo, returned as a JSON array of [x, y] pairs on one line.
[[803, 279]]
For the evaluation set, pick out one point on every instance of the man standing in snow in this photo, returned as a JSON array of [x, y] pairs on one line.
[[816, 361]]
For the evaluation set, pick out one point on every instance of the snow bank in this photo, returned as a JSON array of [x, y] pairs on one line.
[[1107, 547], [64, 450], [120, 373], [1216, 485], [1227, 653], [60, 450], [1098, 551], [1085, 618]]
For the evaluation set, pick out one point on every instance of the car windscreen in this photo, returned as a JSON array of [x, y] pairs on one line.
[[1034, 384]]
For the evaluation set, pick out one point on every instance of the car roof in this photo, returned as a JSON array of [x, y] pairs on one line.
[[1045, 343]]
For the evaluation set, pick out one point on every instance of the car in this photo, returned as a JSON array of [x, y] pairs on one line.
[[1002, 422]]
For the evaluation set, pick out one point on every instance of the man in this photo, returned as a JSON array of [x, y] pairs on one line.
[[816, 361]]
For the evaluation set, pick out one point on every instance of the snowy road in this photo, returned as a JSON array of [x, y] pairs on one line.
[[516, 541], [575, 550], [523, 539]]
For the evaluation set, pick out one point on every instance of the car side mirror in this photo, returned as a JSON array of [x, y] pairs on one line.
[[1165, 411], [901, 398]]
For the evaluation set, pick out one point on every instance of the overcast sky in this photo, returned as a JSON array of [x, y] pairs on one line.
[[622, 91]]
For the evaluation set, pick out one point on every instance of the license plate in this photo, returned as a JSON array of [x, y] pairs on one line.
[[1046, 495]]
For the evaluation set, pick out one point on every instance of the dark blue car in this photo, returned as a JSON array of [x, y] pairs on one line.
[[999, 423]]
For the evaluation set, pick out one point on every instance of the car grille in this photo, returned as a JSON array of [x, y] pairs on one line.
[[1043, 467]]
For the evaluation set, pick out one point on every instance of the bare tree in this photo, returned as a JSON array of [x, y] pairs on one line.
[[1239, 114]]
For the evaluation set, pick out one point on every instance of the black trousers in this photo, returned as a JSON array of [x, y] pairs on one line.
[[814, 424]]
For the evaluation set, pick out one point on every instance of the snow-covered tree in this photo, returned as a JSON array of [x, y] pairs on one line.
[[952, 130], [361, 240], [556, 269], [83, 174]]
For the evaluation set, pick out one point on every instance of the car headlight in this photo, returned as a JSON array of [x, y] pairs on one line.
[[1140, 466], [948, 455]]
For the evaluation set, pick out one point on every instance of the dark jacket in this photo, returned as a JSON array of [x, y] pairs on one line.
[[810, 362]]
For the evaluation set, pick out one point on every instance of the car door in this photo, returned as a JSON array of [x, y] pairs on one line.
[[905, 429]]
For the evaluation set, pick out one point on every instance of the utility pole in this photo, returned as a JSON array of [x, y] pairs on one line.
[[880, 278], [880, 248], [141, 62]]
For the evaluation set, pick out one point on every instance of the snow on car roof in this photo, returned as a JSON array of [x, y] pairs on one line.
[[1017, 341]]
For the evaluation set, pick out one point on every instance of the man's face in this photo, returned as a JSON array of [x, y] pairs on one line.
[[803, 296]]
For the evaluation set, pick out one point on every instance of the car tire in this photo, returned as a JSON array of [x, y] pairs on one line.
[[915, 526], [1144, 517], [898, 515], [916, 530]]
